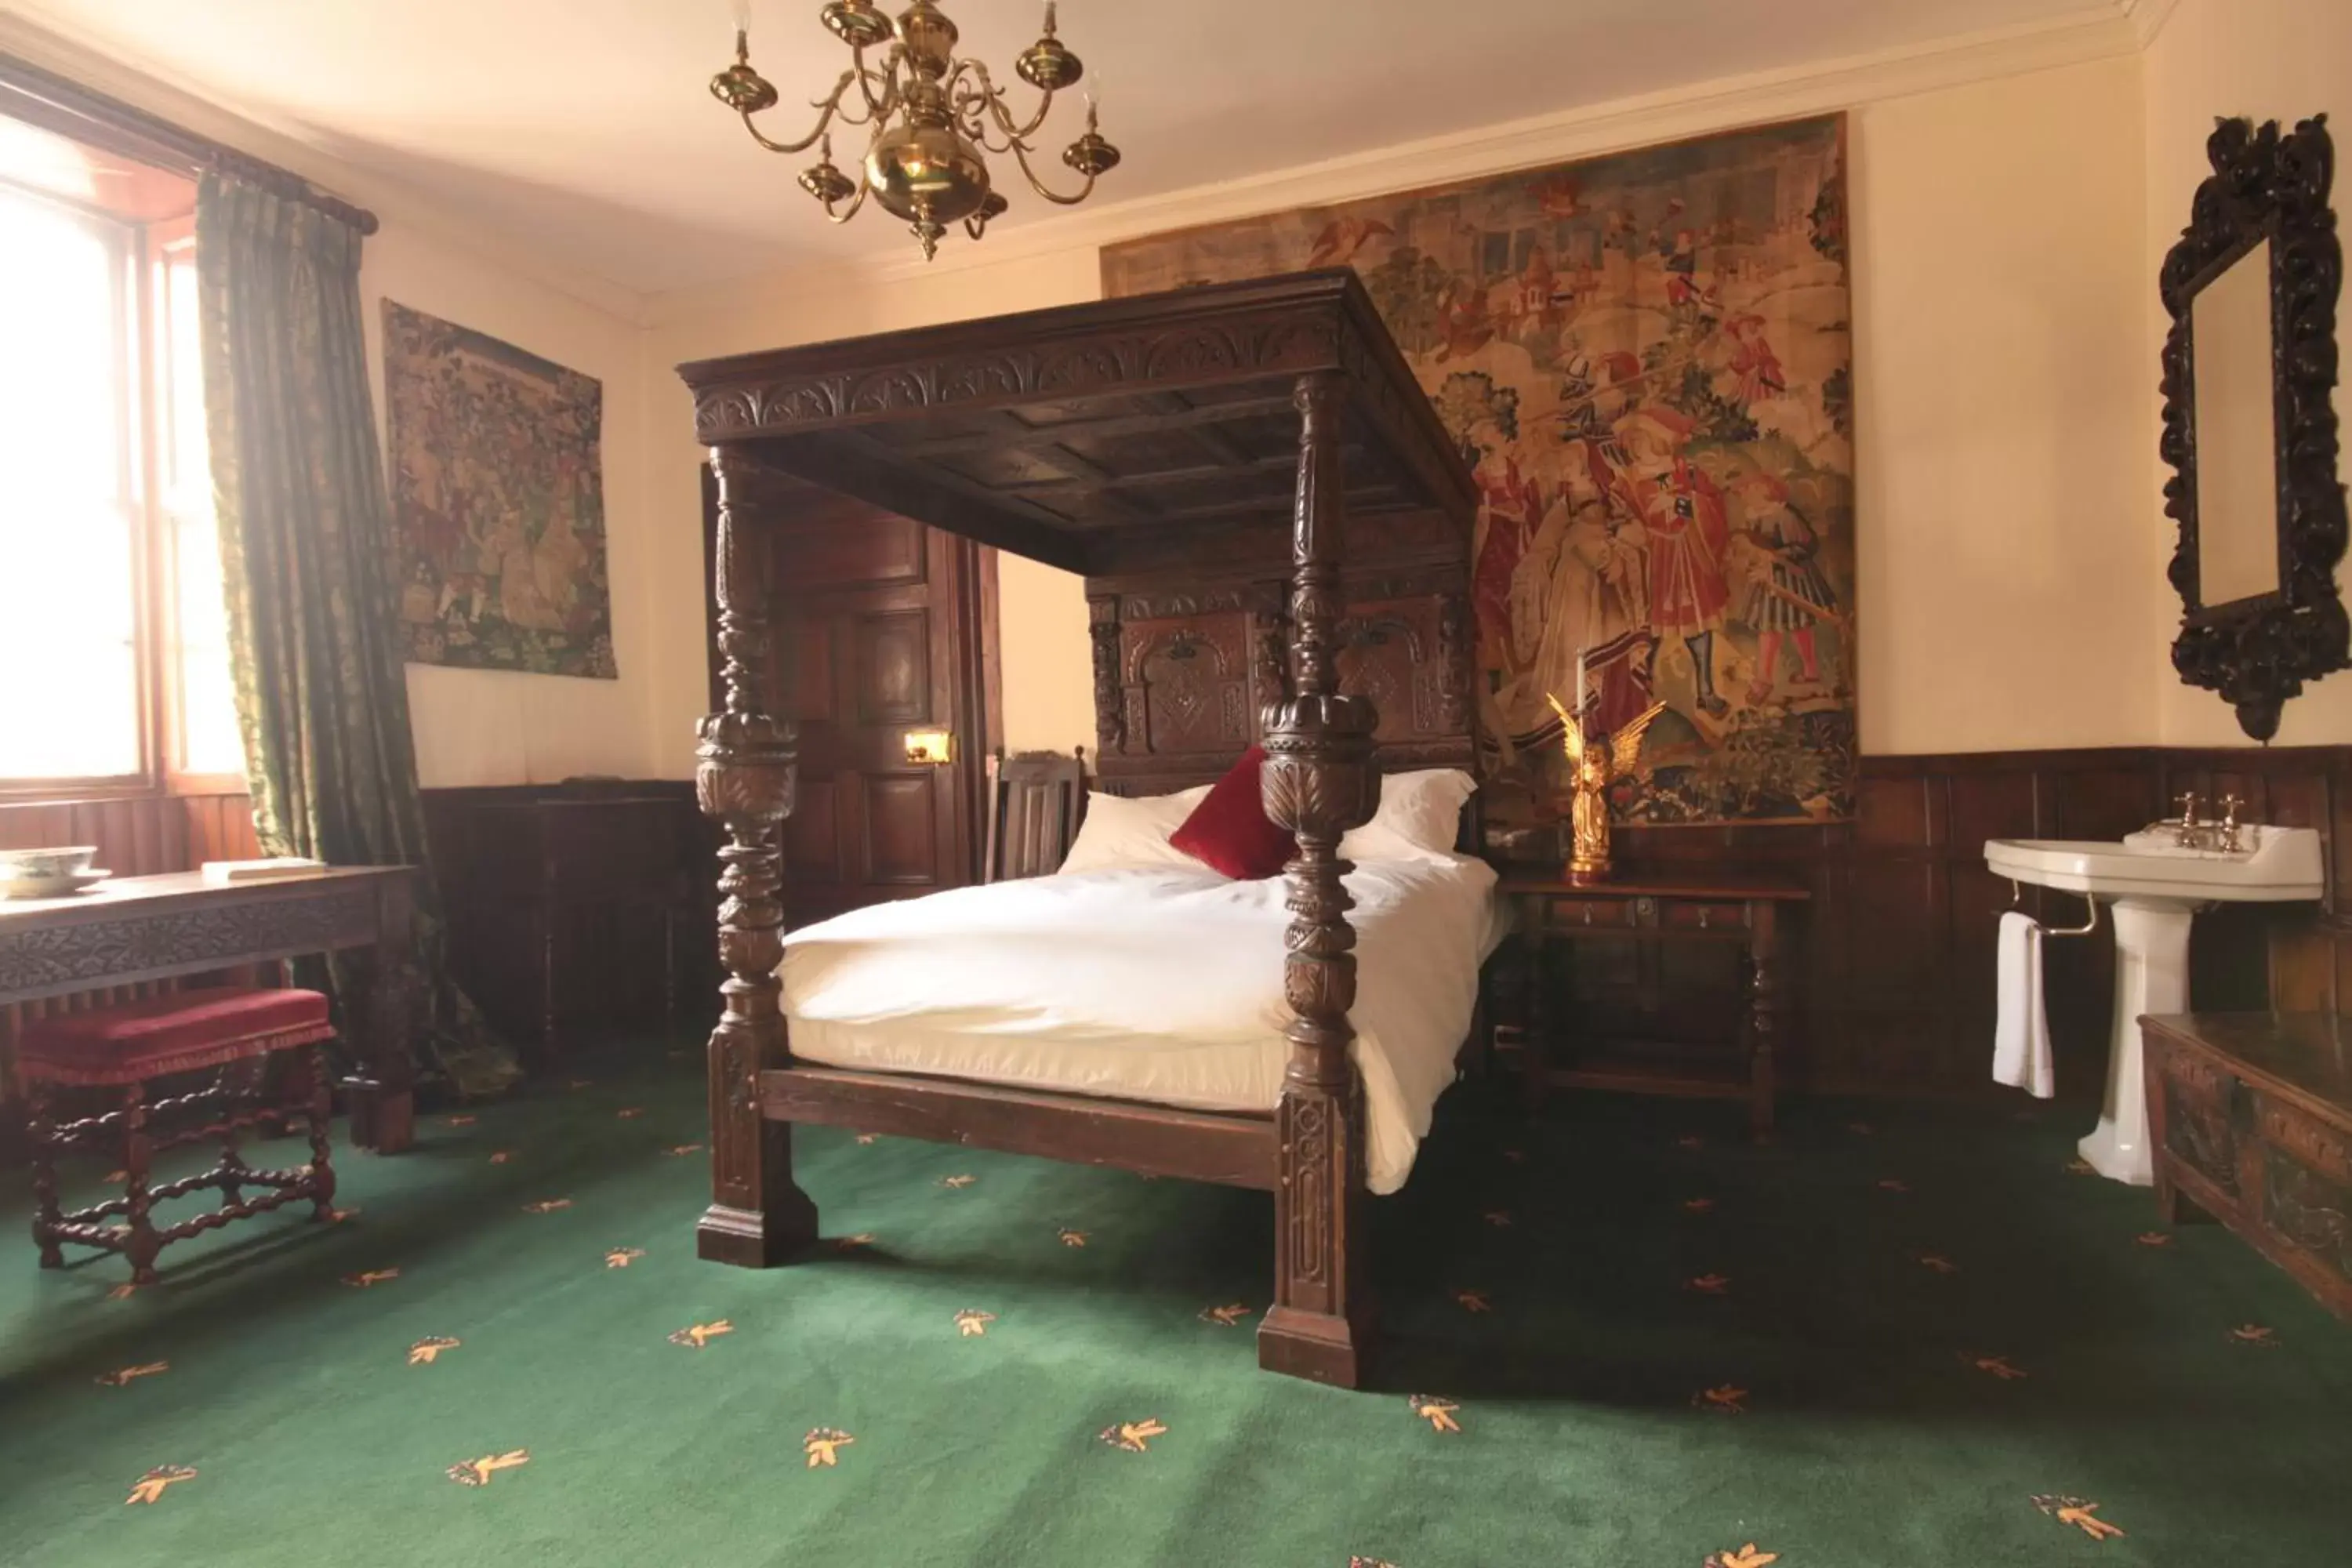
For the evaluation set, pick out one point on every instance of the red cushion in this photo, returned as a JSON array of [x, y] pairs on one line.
[[175, 1033], [1229, 830]]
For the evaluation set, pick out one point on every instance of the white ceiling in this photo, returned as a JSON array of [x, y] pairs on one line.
[[583, 129]]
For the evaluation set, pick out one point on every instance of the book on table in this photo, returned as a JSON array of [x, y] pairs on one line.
[[225, 873]]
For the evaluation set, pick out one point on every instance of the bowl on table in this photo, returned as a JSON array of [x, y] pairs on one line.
[[47, 873]]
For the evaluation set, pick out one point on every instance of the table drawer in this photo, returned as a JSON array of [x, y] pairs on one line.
[[1678, 915], [1619, 913]]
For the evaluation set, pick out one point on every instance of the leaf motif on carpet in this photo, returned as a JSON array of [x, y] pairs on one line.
[[1133, 1436], [699, 1335], [2082, 1515], [477, 1472], [1997, 1367], [150, 1487], [1438, 1413]]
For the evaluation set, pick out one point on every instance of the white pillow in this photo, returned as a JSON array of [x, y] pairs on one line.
[[1132, 830], [1420, 814]]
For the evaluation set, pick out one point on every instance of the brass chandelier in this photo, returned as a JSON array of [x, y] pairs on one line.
[[934, 118]]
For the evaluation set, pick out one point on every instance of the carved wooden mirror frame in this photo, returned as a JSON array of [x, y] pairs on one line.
[[2258, 651]]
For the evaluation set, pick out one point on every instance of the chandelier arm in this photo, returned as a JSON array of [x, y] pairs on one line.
[[1004, 115], [1021, 152], [878, 109], [851, 210], [975, 107], [830, 105], [864, 188]]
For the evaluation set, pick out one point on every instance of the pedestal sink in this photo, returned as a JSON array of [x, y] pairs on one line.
[[2153, 886]]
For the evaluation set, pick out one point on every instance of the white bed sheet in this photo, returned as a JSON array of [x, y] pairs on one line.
[[1151, 983]]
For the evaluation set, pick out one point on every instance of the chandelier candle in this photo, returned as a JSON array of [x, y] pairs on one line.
[[930, 118]]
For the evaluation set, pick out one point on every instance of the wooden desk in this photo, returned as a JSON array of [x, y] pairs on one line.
[[1742, 909], [135, 928], [2249, 1121]]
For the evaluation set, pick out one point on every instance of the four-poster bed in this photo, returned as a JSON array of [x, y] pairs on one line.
[[1167, 448]]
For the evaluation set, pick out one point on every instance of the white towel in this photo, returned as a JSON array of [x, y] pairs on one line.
[[2021, 1036]]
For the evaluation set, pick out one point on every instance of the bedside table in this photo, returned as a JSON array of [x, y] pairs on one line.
[[1744, 909]]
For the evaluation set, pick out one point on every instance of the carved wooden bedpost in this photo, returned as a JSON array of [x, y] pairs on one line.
[[743, 778], [1318, 782]]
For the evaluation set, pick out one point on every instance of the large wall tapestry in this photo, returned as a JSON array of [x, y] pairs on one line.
[[1648, 358], [498, 500]]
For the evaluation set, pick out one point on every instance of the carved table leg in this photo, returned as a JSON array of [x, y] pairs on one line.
[[41, 1133], [320, 1108], [383, 1093], [1763, 1011], [1318, 782], [743, 778], [141, 1246]]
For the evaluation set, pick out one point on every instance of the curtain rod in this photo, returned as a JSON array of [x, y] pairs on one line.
[[54, 103]]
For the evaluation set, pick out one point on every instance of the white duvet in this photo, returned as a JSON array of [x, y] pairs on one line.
[[1154, 983]]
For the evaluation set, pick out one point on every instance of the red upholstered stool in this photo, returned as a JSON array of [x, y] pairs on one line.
[[124, 1047]]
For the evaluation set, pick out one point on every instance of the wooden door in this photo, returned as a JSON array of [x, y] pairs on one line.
[[879, 630]]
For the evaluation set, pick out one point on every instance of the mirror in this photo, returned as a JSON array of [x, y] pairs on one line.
[[2237, 440], [2249, 423]]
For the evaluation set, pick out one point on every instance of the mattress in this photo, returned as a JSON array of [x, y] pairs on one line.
[[1154, 983]]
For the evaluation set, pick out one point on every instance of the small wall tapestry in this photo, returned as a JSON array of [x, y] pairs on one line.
[[497, 498], [1647, 358]]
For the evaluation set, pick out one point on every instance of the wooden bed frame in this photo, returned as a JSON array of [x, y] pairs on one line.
[[1274, 530]]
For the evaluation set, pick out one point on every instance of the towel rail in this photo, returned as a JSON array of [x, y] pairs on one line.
[[2017, 896]]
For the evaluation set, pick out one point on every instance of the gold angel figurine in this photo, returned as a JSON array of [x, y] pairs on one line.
[[1592, 766]]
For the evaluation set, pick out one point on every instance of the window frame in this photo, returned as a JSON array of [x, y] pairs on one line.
[[140, 253]]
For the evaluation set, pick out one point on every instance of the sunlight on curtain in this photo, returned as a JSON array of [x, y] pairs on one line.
[[70, 697], [207, 741]]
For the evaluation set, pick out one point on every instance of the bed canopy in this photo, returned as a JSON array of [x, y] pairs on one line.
[[1273, 528]]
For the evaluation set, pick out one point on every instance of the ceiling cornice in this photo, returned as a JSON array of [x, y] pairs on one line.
[[1583, 132], [2147, 17], [145, 86]]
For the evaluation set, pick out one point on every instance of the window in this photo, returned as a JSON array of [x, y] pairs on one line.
[[114, 670]]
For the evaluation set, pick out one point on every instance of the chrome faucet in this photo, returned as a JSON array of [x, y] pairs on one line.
[[2186, 835]]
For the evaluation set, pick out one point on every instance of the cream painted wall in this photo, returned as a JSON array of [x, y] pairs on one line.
[[2268, 59], [1999, 264], [496, 727], [2000, 415]]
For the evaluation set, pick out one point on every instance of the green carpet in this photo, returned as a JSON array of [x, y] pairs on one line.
[[1914, 1322]]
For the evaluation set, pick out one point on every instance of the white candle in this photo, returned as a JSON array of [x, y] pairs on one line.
[[1576, 705]]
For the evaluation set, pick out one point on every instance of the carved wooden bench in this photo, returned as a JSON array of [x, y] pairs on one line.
[[2250, 1117]]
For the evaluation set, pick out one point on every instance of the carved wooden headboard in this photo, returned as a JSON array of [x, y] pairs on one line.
[[1187, 653]]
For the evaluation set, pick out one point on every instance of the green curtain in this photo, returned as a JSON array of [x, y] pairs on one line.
[[305, 539]]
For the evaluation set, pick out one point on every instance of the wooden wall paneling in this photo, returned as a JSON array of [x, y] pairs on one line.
[[492, 870]]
